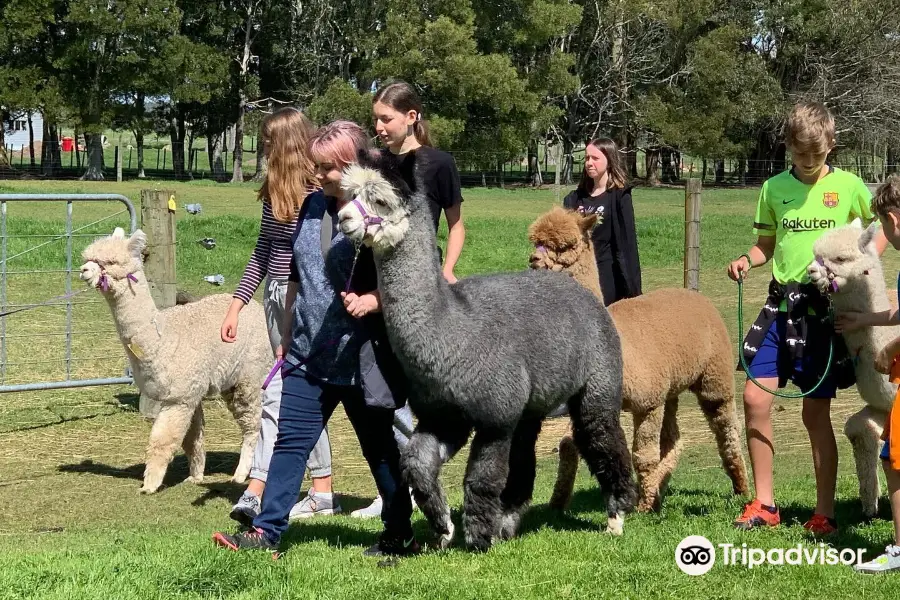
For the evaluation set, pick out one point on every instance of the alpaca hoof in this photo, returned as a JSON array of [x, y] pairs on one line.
[[446, 539], [239, 478], [615, 525], [194, 479], [509, 525], [559, 504], [148, 489]]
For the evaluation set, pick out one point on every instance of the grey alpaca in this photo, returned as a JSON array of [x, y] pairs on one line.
[[494, 354]]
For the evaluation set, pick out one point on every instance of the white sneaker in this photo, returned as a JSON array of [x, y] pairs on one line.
[[889, 561], [374, 510], [315, 505]]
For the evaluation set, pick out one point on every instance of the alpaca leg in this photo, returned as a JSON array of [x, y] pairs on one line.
[[645, 455], [601, 441], [520, 483], [166, 435], [421, 460], [486, 475], [863, 429], [567, 470], [193, 447], [245, 404], [670, 448], [715, 392]]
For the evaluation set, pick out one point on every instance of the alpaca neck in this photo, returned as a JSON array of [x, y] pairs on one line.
[[132, 306], [413, 290]]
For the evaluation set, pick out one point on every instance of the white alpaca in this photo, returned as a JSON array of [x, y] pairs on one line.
[[848, 268], [178, 357]]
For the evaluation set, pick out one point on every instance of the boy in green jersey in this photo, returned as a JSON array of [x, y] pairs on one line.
[[791, 336]]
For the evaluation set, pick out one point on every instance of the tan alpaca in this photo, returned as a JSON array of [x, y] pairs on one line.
[[178, 357], [673, 340]]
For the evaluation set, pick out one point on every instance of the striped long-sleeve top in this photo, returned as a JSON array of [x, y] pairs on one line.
[[272, 255]]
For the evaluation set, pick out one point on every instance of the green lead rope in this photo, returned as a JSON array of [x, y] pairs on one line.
[[746, 368]]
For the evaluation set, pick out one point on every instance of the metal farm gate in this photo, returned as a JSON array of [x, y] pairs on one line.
[[55, 332]]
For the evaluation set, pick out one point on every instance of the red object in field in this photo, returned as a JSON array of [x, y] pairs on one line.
[[68, 144]]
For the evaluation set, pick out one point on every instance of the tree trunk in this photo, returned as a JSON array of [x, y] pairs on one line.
[[176, 135], [75, 149], [139, 142], [94, 170], [50, 155], [703, 175], [651, 158], [668, 166], [568, 146], [534, 165], [262, 164], [893, 157], [237, 175], [214, 150], [192, 136], [720, 172], [30, 139], [630, 155]]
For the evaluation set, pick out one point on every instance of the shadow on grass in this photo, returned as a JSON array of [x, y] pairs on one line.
[[217, 463]]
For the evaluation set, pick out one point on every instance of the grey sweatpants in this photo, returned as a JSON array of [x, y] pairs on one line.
[[319, 462]]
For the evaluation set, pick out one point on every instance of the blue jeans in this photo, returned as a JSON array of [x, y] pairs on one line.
[[306, 406]]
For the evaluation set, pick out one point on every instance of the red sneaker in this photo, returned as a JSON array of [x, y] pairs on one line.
[[756, 515], [820, 525]]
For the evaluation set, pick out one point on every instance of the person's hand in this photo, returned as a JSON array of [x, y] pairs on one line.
[[885, 359], [359, 306], [849, 321], [280, 352], [229, 327], [739, 268], [450, 277]]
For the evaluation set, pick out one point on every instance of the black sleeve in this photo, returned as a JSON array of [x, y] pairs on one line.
[[294, 276], [447, 188], [571, 200], [624, 245]]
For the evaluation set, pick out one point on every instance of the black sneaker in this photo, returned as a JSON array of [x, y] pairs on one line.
[[394, 546], [254, 539]]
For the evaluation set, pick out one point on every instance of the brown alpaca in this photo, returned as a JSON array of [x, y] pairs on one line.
[[673, 340]]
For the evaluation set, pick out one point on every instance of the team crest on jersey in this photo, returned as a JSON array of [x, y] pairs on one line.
[[830, 199]]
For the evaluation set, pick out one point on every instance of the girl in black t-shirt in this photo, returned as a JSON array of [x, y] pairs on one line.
[[399, 123], [604, 191]]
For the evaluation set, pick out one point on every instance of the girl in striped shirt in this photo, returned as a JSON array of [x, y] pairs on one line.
[[290, 178]]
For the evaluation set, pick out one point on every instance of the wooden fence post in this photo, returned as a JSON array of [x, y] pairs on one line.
[[119, 164], [158, 222], [692, 234]]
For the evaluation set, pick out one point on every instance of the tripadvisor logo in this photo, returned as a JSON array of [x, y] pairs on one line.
[[813, 224]]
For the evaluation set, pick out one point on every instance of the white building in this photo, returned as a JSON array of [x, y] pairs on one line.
[[16, 131]]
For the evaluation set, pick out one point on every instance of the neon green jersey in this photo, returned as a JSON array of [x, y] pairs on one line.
[[797, 213]]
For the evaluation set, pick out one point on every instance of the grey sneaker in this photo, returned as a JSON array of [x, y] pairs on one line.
[[889, 561], [245, 509], [374, 510], [315, 505]]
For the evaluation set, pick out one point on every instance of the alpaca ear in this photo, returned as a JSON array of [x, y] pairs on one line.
[[118, 234], [867, 238], [588, 222], [136, 244]]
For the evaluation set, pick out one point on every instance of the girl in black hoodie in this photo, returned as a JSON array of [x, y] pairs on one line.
[[605, 192]]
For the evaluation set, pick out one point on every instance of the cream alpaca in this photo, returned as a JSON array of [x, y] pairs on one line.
[[850, 271], [667, 348], [178, 358]]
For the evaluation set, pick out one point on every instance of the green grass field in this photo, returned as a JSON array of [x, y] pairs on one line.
[[74, 526]]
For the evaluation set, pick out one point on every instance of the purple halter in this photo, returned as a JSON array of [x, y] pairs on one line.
[[367, 218]]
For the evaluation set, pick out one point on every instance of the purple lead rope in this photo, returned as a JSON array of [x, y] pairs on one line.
[[280, 362]]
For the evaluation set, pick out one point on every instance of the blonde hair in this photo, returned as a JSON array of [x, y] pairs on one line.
[[810, 127], [887, 197], [291, 174], [617, 178]]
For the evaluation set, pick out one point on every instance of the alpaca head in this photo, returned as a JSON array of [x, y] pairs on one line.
[[111, 261], [845, 258], [560, 237], [378, 212]]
